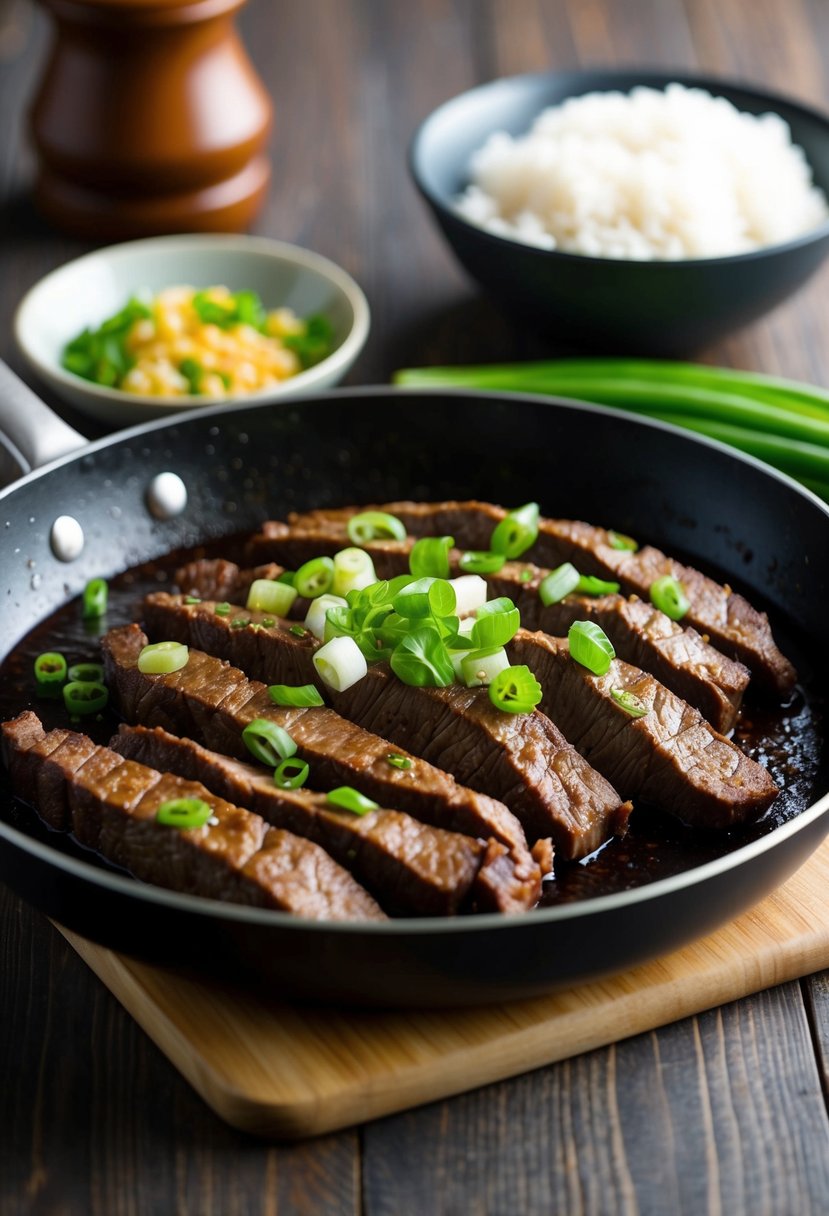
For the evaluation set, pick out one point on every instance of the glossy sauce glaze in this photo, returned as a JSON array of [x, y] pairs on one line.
[[788, 740]]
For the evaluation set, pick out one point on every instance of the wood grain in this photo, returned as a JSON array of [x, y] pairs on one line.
[[279, 1070], [92, 1117]]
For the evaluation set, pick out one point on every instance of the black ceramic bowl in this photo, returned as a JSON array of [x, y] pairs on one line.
[[659, 307]]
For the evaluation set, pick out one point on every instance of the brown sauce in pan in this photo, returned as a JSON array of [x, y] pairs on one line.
[[789, 740]]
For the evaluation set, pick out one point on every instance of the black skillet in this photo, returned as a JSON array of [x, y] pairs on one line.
[[243, 464]]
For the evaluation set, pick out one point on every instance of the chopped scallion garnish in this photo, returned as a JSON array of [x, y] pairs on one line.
[[162, 658], [375, 525], [95, 598], [340, 663], [346, 798], [290, 774], [353, 570], [222, 609], [629, 702], [618, 540], [558, 583], [296, 695], [496, 623], [314, 578], [268, 742], [398, 761], [429, 557], [84, 697], [184, 813], [668, 595], [588, 584], [515, 690], [50, 673], [86, 673], [591, 647], [269, 595], [517, 532], [481, 562]]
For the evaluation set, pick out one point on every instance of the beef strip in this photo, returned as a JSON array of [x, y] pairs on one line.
[[670, 757], [217, 579], [110, 805], [641, 634], [409, 867], [720, 614], [212, 702], [523, 758]]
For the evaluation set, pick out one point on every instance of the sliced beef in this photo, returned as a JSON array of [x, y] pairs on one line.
[[217, 579], [411, 868], [522, 758], [110, 805], [212, 702], [670, 757], [717, 612], [678, 656]]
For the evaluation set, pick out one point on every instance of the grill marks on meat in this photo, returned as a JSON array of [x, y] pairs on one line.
[[678, 656], [730, 622], [110, 805], [409, 867], [670, 757], [523, 758], [212, 702]]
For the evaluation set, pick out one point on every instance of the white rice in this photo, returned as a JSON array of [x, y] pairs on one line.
[[648, 175]]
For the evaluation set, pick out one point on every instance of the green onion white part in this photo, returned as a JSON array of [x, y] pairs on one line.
[[340, 663], [315, 617], [268, 595]]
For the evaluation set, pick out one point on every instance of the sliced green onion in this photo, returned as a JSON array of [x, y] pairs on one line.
[[482, 666], [591, 647], [315, 577], [353, 570], [629, 702], [426, 597], [398, 761], [340, 663], [268, 595], [470, 593], [315, 617], [375, 525], [496, 623], [290, 774], [50, 673], [515, 690], [481, 562], [346, 798], [525, 576], [516, 532], [618, 540], [192, 599], [95, 598], [430, 557], [267, 622], [298, 631], [239, 622], [86, 673], [590, 585], [162, 658], [268, 742], [222, 609], [298, 696], [287, 577], [668, 595], [558, 583], [83, 697], [421, 659], [184, 813]]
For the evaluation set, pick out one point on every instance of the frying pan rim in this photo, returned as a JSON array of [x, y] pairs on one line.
[[412, 926]]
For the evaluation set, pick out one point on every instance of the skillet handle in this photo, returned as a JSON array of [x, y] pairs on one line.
[[28, 422]]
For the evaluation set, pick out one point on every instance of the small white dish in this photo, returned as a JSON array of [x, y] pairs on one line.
[[88, 290]]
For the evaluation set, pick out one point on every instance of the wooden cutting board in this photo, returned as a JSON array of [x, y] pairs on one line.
[[288, 1072]]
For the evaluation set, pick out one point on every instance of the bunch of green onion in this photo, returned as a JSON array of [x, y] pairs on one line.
[[782, 422]]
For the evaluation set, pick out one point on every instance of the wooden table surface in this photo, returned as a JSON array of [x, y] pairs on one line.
[[725, 1112]]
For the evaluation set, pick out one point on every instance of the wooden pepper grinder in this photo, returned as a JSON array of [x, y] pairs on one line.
[[149, 118]]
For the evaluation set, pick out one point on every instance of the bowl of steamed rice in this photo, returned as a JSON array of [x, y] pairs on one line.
[[629, 211]]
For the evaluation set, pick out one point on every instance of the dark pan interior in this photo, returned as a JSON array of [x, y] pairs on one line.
[[244, 464]]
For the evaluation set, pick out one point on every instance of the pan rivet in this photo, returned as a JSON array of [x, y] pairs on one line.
[[166, 495], [66, 538]]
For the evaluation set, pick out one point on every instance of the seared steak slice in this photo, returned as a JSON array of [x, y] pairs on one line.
[[409, 867], [112, 805], [671, 756], [212, 702], [723, 616], [523, 758], [217, 579], [679, 657]]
